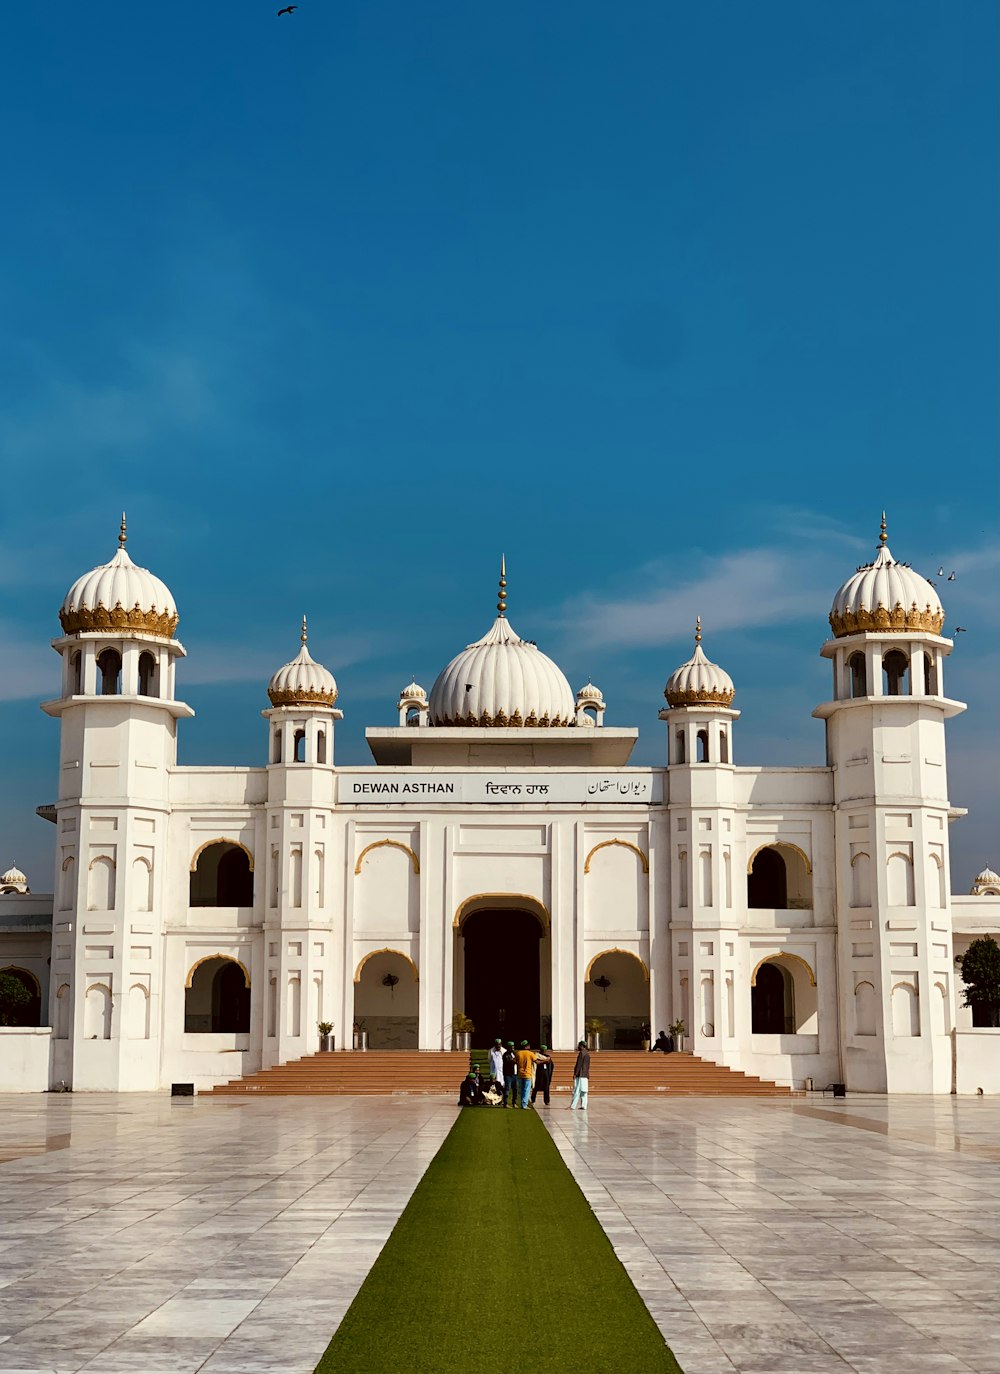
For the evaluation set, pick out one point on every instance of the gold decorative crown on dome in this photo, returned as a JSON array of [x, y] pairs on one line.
[[502, 680], [699, 681], [303, 682], [119, 596], [886, 595]]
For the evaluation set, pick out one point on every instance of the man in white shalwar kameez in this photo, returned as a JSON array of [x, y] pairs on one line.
[[496, 1062]]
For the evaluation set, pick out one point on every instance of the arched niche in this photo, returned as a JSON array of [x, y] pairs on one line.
[[783, 996], [222, 874], [616, 991], [779, 877], [386, 1001], [217, 996]]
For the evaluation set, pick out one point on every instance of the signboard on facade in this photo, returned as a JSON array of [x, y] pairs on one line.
[[399, 787]]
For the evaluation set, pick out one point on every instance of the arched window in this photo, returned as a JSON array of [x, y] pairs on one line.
[[222, 877], [681, 751], [217, 998], [299, 746], [767, 881], [772, 1008], [859, 675], [75, 673], [148, 685], [703, 746], [895, 665], [109, 667], [18, 1010]]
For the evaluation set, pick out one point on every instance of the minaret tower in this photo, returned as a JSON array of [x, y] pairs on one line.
[[703, 919], [118, 741], [886, 746], [300, 865]]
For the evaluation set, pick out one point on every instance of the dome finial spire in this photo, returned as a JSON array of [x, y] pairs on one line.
[[883, 537], [122, 533], [502, 602], [303, 636], [697, 629]]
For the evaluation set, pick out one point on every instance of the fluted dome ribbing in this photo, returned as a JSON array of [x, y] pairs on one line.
[[303, 682], [886, 595], [119, 596], [502, 680], [12, 876], [699, 681]]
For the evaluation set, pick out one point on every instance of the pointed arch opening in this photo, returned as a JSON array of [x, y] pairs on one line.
[[217, 996]]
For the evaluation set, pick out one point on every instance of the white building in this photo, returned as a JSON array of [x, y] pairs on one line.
[[500, 857]]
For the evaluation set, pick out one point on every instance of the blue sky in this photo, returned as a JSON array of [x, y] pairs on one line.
[[666, 301]]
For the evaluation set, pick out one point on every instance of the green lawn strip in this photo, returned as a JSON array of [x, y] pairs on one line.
[[498, 1266]]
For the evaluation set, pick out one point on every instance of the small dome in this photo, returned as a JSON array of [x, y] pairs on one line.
[[502, 680], [119, 596], [414, 694], [13, 878], [588, 694], [987, 884], [886, 595], [699, 682], [303, 682]]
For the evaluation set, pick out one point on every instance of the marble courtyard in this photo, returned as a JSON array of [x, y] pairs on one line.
[[800, 1236]]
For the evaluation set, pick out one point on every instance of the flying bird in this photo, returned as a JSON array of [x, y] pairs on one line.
[[960, 629], [289, 9], [940, 572], [951, 577]]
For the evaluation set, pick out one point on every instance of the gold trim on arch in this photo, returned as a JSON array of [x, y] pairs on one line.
[[625, 844], [783, 954], [393, 844], [220, 839], [502, 901], [904, 983], [780, 844], [618, 950], [228, 958], [865, 983], [17, 968], [398, 952], [862, 854]]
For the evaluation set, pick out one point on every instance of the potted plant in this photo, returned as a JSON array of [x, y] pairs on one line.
[[326, 1040], [462, 1028], [594, 1028], [678, 1030], [360, 1034]]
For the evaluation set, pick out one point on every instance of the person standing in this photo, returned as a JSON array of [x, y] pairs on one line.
[[509, 1074], [581, 1077], [526, 1061], [543, 1078], [496, 1063]]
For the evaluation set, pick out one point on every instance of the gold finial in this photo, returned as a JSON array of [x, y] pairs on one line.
[[883, 536], [502, 603], [303, 636], [122, 534], [697, 630]]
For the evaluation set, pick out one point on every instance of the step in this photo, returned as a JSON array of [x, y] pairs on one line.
[[388, 1072]]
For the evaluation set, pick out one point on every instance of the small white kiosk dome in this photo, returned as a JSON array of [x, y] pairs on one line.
[[886, 595], [502, 680], [119, 596], [303, 682], [13, 880], [699, 681], [987, 884]]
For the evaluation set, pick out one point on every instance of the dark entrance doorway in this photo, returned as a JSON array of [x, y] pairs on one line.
[[502, 978]]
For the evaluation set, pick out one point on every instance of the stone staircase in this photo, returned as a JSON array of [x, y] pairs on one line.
[[384, 1072]]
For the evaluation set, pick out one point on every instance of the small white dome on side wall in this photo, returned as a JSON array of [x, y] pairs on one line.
[[13, 880], [987, 884], [886, 595]]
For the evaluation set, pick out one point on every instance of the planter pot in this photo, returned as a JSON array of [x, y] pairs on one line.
[[679, 1043], [360, 1040], [594, 1040], [463, 1041], [326, 1042], [645, 1047]]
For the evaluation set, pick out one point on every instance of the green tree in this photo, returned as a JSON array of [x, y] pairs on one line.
[[980, 969], [13, 996]]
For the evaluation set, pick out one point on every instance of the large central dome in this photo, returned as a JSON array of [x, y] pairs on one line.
[[502, 680]]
